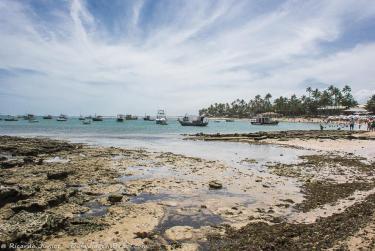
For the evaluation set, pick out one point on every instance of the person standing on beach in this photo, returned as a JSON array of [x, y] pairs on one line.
[[373, 125], [369, 125], [351, 124]]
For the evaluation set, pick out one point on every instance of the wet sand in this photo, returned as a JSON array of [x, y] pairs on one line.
[[76, 196]]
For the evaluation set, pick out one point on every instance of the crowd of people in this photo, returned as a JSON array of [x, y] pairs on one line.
[[371, 125], [362, 124]]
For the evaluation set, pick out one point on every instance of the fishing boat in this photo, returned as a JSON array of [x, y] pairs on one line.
[[81, 117], [193, 121], [120, 118], [130, 117], [161, 118], [28, 116], [62, 118], [10, 118], [47, 117], [86, 121], [148, 118], [97, 118], [264, 121]]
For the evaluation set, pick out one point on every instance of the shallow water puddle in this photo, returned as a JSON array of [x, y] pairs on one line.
[[56, 160], [142, 172], [190, 216], [96, 210]]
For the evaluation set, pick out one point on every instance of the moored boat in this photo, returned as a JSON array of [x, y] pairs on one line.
[[62, 118], [33, 121], [264, 121], [229, 120], [10, 118], [193, 121], [120, 118], [28, 116], [148, 118], [47, 117], [97, 118], [131, 117], [81, 117], [161, 118]]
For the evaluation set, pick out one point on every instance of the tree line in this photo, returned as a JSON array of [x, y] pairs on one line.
[[306, 105]]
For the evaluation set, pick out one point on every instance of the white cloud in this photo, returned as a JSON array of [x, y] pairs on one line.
[[206, 52]]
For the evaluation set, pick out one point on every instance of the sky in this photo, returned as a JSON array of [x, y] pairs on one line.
[[128, 56]]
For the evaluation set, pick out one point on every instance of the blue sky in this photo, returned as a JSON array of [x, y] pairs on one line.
[[123, 56]]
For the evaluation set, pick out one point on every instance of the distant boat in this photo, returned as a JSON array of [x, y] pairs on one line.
[[148, 118], [33, 121], [28, 116], [86, 121], [97, 118], [229, 120], [193, 121], [161, 118], [88, 117], [81, 117], [120, 118], [264, 121], [47, 117], [11, 118], [62, 118], [131, 117]]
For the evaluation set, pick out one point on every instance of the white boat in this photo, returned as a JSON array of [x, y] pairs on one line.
[[120, 118], [11, 118], [161, 118], [62, 117]]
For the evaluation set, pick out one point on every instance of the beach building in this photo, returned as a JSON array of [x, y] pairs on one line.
[[331, 109], [357, 110]]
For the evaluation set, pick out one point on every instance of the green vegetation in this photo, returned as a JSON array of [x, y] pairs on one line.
[[306, 105], [370, 106]]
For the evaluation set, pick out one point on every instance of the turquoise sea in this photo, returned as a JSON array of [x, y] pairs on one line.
[[110, 128], [148, 135]]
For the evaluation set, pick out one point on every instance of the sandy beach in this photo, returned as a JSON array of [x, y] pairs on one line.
[[75, 196]]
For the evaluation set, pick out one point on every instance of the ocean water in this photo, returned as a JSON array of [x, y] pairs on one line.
[[140, 134], [137, 128]]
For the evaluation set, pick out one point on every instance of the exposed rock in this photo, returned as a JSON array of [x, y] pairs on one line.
[[143, 235], [28, 160], [214, 184], [178, 233], [113, 198], [11, 164], [9, 194], [58, 175], [31, 205]]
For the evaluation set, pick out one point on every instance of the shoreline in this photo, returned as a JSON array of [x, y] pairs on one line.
[[164, 200]]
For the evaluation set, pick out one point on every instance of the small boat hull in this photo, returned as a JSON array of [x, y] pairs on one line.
[[270, 123], [193, 123], [161, 122]]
